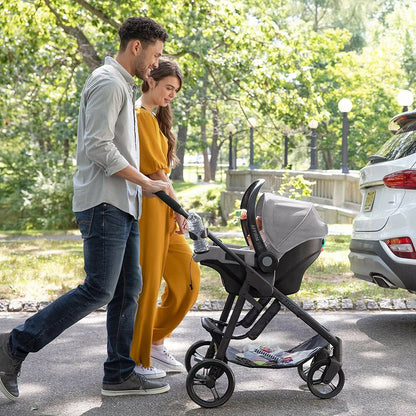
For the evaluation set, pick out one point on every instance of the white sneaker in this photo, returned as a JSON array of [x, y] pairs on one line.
[[162, 356], [149, 372]]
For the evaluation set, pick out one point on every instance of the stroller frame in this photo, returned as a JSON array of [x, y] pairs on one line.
[[210, 381]]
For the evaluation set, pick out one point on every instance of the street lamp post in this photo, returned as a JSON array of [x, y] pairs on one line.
[[231, 129], [313, 125], [405, 99], [344, 106], [252, 124], [286, 131], [285, 153]]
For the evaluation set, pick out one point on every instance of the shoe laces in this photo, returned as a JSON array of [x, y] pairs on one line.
[[138, 376], [167, 353], [151, 368]]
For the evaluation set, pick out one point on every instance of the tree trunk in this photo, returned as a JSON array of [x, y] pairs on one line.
[[87, 51], [327, 156], [214, 144], [207, 168], [177, 172]]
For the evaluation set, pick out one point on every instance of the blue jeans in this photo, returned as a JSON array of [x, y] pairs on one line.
[[113, 277]]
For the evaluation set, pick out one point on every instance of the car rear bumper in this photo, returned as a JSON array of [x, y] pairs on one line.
[[370, 262]]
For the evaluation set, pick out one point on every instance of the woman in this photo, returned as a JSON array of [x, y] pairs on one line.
[[164, 251]]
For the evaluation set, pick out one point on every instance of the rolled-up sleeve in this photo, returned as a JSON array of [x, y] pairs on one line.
[[104, 104]]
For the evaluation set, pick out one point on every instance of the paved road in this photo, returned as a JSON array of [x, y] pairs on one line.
[[379, 363]]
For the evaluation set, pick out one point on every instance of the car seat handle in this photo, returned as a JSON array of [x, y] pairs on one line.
[[254, 188], [253, 230]]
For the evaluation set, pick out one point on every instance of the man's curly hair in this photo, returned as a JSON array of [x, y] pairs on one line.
[[141, 28]]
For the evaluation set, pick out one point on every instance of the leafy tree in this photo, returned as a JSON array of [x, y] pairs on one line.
[[282, 62]]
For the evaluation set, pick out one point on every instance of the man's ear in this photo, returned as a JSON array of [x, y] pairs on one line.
[[136, 47]]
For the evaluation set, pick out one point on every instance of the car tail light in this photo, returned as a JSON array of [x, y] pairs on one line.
[[404, 179], [402, 247]]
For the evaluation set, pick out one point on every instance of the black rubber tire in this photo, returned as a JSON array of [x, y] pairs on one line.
[[210, 383], [318, 387], [303, 369], [197, 352]]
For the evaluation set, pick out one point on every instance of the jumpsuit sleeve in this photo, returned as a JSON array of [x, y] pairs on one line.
[[153, 144]]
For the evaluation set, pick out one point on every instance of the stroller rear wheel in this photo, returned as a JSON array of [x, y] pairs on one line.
[[198, 351], [303, 369], [210, 383], [317, 383]]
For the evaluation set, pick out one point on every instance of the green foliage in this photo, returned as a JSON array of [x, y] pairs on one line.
[[295, 187], [48, 205], [208, 203], [282, 62], [45, 204], [234, 216], [204, 199]]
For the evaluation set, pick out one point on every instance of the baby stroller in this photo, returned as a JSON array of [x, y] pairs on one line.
[[262, 277]]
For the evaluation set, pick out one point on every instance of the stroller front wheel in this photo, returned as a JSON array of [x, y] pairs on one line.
[[210, 383], [317, 383], [198, 351]]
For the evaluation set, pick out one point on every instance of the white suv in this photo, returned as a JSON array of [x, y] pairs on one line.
[[382, 248]]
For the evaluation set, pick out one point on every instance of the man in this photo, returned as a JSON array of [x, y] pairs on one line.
[[107, 203]]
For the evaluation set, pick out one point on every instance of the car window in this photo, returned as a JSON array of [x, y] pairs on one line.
[[402, 144]]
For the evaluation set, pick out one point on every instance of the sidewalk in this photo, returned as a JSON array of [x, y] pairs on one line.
[[64, 378]]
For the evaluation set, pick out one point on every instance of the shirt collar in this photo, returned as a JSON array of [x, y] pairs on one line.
[[111, 61]]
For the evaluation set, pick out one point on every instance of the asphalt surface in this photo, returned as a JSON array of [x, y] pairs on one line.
[[379, 364]]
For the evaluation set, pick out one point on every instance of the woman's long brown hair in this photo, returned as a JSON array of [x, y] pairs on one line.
[[164, 115]]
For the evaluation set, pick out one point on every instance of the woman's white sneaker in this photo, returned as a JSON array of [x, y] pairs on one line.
[[150, 372], [162, 356]]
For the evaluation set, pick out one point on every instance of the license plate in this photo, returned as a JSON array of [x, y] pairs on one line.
[[369, 201]]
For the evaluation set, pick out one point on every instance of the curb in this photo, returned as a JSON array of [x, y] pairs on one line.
[[218, 305]]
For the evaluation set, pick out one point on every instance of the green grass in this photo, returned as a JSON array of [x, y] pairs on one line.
[[40, 269], [329, 277], [44, 269]]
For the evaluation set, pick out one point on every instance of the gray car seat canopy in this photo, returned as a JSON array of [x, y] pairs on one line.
[[288, 222]]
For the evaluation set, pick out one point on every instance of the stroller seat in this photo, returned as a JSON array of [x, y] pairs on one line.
[[289, 242], [232, 273]]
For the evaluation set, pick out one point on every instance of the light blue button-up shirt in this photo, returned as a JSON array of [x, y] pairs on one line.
[[107, 141]]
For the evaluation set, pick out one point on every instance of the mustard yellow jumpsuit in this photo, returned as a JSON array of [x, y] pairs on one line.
[[163, 253]]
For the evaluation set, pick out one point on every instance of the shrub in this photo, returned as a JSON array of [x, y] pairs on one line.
[[206, 203], [46, 204], [295, 187]]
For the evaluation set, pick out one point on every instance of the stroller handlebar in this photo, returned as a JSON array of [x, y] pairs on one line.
[[175, 205]]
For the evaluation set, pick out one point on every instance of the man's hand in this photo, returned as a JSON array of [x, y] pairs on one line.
[[151, 187]]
